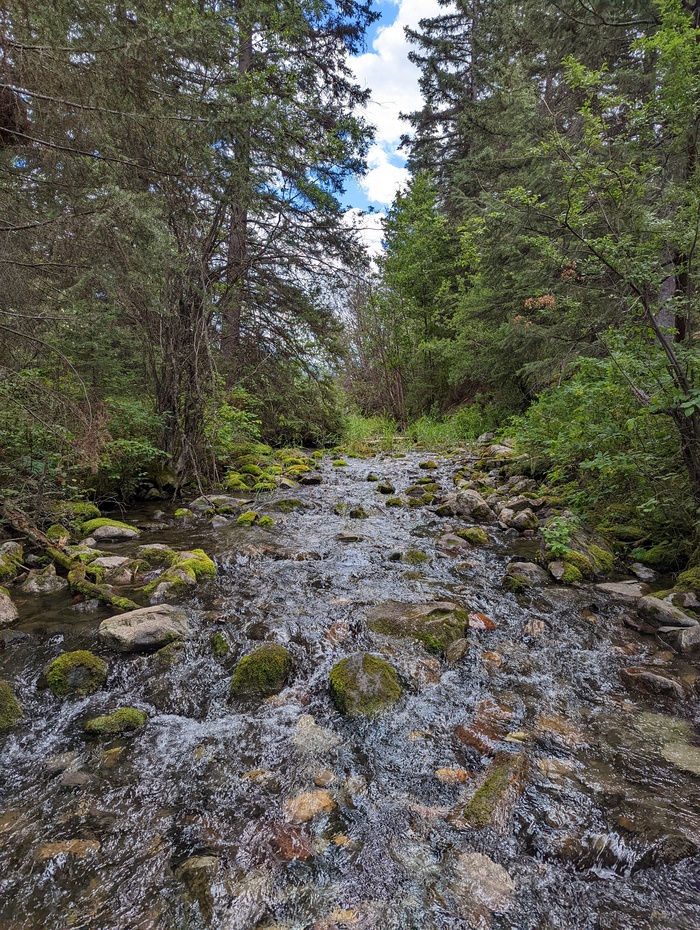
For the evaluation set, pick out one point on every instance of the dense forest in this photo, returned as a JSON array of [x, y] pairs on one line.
[[178, 274]]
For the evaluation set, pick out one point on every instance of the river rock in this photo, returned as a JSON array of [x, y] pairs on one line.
[[216, 503], [145, 629], [197, 874], [469, 504], [262, 673], [75, 849], [481, 888], [500, 790], [110, 561], [682, 639], [304, 807], [643, 680], [44, 582], [76, 674], [364, 684], [113, 532], [436, 625], [661, 613], [521, 575], [312, 739], [10, 710], [627, 592], [8, 611], [524, 520], [683, 756]]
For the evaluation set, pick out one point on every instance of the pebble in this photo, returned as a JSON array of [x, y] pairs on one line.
[[449, 776], [304, 807]]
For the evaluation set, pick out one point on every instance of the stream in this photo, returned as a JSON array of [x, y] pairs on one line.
[[186, 823]]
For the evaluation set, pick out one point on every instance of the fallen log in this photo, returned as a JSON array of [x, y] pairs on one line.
[[75, 569]]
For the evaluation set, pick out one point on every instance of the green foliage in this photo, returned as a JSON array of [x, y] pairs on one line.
[[557, 532]]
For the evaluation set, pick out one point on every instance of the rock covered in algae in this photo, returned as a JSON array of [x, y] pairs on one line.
[[436, 625], [364, 684], [144, 629], [10, 710], [124, 720], [76, 674], [262, 673]]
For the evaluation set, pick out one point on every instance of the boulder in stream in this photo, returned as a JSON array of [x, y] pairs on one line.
[[8, 611], [522, 575], [495, 799], [145, 629], [436, 625], [102, 528], [364, 684], [262, 673], [118, 723], [468, 504], [76, 674], [10, 710], [44, 582]]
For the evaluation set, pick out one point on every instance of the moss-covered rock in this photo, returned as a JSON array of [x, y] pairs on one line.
[[289, 504], [57, 532], [76, 674], [10, 710], [689, 580], [603, 559], [581, 562], [415, 556], [340, 463], [572, 573], [73, 514], [122, 721], [158, 555], [235, 482], [496, 796], [394, 502], [11, 554], [372, 477], [253, 470], [262, 673], [185, 571], [428, 465], [364, 685], [266, 521], [219, 645], [436, 625], [474, 535], [248, 518], [104, 528], [183, 513]]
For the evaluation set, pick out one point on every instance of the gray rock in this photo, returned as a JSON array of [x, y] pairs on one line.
[[110, 561], [481, 885], [557, 570], [525, 520], [643, 572], [627, 592], [644, 680], [682, 639], [145, 629], [662, 613], [470, 504], [45, 582], [312, 739], [215, 502], [112, 533], [525, 574], [8, 611]]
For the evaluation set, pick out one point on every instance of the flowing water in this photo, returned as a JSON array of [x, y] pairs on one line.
[[184, 825]]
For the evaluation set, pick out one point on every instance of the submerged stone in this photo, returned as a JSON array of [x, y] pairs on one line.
[[482, 888], [364, 684], [436, 625], [262, 673], [499, 792]]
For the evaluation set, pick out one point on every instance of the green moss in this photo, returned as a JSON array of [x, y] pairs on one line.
[[317, 454], [474, 535], [427, 465], [253, 470], [154, 555], [372, 477], [124, 720], [170, 655], [415, 502], [665, 556], [415, 556], [622, 532], [262, 673], [197, 562], [183, 513], [91, 525], [10, 560], [76, 674], [394, 502], [261, 487], [123, 603], [10, 710], [515, 583], [56, 532], [571, 572], [504, 774], [234, 482], [266, 521], [340, 463], [603, 559], [689, 580], [248, 518], [73, 513], [298, 470], [436, 630], [288, 505], [219, 645], [582, 563], [364, 685]]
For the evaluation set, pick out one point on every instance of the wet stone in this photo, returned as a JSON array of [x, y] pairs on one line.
[[144, 630], [305, 807], [436, 625], [481, 887]]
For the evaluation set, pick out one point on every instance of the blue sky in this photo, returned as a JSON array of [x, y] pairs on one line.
[[384, 68]]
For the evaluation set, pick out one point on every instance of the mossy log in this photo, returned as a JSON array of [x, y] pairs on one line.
[[76, 570]]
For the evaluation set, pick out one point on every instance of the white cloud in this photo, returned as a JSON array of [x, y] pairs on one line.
[[369, 226], [393, 80]]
